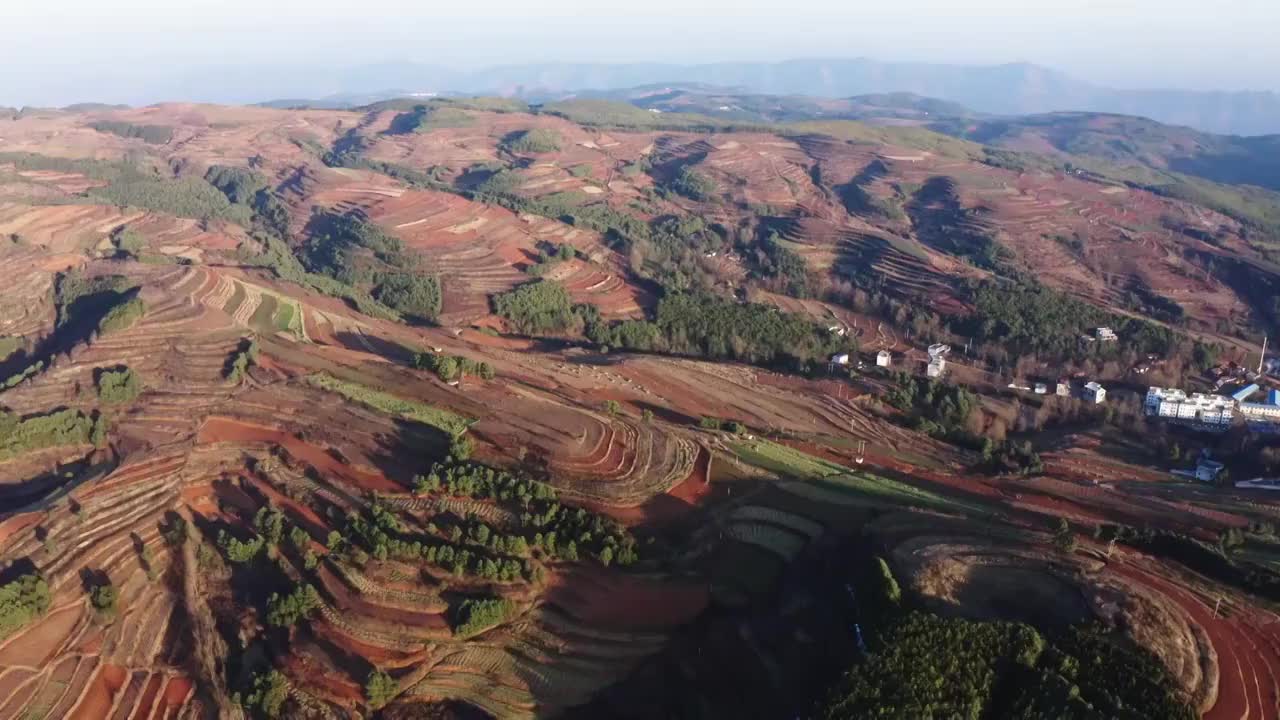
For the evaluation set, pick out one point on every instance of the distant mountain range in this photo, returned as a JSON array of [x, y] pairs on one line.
[[1013, 89]]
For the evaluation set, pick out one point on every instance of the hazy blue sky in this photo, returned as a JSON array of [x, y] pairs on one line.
[[59, 51]]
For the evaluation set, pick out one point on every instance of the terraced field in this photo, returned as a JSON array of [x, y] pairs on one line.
[[539, 521]]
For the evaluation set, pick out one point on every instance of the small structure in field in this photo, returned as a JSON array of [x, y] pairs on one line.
[[1105, 334], [883, 358], [1094, 392], [936, 367], [1208, 470], [1245, 392], [1042, 389], [1064, 387]]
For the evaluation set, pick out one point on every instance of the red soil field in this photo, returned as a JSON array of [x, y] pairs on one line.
[[35, 645], [627, 602], [101, 693], [220, 430], [17, 523]]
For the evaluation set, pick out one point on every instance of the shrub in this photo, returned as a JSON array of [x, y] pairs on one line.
[[22, 600], [189, 197], [268, 693], [128, 242], [380, 689], [692, 184], [410, 293], [122, 316], [64, 427], [103, 598], [241, 361], [117, 387], [536, 308], [240, 185], [151, 134], [537, 140], [286, 610], [477, 615]]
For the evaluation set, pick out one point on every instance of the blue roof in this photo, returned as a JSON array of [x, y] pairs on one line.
[[1245, 391], [1273, 397]]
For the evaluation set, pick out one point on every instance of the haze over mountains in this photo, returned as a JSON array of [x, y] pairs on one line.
[[1010, 89]]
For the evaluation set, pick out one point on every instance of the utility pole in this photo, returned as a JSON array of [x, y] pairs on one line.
[[1262, 358], [1216, 606]]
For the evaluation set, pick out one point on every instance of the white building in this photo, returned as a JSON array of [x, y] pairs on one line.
[[883, 358], [936, 367], [1064, 388], [1268, 412], [1208, 470], [1042, 389], [1175, 404], [938, 350], [840, 359], [1094, 393], [1105, 334]]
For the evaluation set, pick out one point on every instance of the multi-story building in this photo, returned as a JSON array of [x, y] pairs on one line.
[[1214, 411]]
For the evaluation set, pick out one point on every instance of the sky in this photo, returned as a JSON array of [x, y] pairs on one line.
[[56, 52]]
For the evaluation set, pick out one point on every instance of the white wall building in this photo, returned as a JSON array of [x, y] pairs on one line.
[[936, 367], [1094, 392], [840, 359], [1105, 334], [1175, 404], [883, 358]]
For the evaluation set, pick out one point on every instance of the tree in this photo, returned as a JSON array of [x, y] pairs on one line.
[[116, 387], [268, 693], [612, 407], [646, 415], [447, 369], [380, 689], [270, 523], [286, 610], [461, 448], [21, 601], [103, 598], [1063, 538]]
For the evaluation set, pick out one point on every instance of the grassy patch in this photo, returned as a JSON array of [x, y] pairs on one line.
[[838, 479], [262, 316], [9, 345], [233, 303], [286, 317], [445, 420]]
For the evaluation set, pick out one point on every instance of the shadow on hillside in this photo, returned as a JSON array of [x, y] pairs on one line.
[[392, 351]]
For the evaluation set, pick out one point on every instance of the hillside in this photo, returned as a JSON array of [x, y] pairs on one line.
[[464, 408]]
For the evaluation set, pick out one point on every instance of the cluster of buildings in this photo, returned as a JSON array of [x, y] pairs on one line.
[[1215, 413], [1092, 392]]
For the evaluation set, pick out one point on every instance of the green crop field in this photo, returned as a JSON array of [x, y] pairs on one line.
[[449, 422], [839, 480]]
